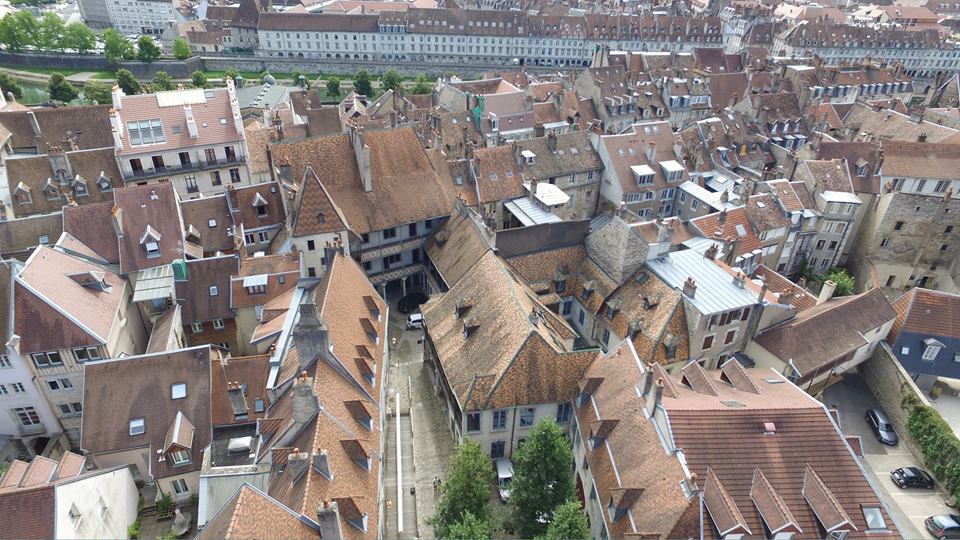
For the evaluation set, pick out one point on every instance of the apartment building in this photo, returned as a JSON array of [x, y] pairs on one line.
[[139, 17]]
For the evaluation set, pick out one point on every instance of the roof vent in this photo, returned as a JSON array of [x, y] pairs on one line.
[[239, 445], [769, 428]]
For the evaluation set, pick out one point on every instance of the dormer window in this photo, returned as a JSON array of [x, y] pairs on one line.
[[80, 188], [137, 426], [261, 205], [22, 194], [150, 239], [179, 457], [321, 217], [51, 191], [153, 250], [931, 348], [104, 183]]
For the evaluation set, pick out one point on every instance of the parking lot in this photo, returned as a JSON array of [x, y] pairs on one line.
[[852, 398]]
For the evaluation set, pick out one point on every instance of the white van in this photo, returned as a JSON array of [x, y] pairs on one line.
[[504, 477], [414, 321]]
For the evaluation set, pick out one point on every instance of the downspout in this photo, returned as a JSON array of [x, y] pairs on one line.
[[513, 429], [700, 496]]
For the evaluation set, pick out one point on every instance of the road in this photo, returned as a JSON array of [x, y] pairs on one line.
[[852, 398]]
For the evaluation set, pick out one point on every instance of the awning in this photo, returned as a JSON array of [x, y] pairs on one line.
[[255, 281], [528, 213], [154, 284]]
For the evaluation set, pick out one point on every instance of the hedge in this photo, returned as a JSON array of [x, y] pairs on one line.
[[939, 444]]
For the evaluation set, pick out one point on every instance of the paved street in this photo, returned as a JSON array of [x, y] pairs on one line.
[[909, 507], [426, 443]]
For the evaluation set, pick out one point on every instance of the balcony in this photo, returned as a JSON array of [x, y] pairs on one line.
[[33, 429], [181, 168], [392, 248]]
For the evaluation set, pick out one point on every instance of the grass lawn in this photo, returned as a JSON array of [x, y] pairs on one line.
[[64, 71]]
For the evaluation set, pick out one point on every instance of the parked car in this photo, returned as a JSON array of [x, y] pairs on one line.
[[943, 526], [912, 477], [411, 302], [504, 477], [414, 321], [881, 426]]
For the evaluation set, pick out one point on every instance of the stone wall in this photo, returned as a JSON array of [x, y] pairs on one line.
[[178, 69], [348, 66], [888, 382], [93, 62]]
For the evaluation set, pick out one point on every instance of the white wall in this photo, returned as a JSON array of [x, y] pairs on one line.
[[107, 504]]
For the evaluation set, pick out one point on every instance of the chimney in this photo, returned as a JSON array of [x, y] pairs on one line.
[[533, 190], [34, 124], [651, 402], [552, 141], [763, 292], [117, 96], [762, 117], [310, 334], [235, 108], [297, 464], [826, 292], [922, 137], [651, 150], [304, 402], [321, 463], [711, 252], [116, 219], [690, 287], [739, 279], [191, 122], [328, 518], [362, 152]]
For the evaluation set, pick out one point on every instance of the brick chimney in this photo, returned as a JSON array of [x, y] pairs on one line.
[[690, 287], [310, 335], [328, 518]]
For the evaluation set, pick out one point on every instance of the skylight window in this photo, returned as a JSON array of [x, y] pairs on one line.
[[137, 427], [146, 132], [178, 391]]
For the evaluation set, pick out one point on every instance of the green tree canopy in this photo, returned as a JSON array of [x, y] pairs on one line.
[[147, 49], [568, 523], [52, 30], [79, 37], [542, 478], [422, 85], [181, 49], [115, 46], [391, 80], [199, 79], [295, 78], [10, 85], [30, 27], [60, 89], [470, 528], [162, 81], [12, 37], [844, 281], [362, 85], [100, 92], [127, 82], [333, 86], [467, 490], [231, 74]]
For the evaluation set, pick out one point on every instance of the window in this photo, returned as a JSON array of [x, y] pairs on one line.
[[83, 354], [249, 238], [499, 420], [180, 457], [59, 384], [390, 233], [731, 335], [218, 324], [496, 449], [18, 388], [930, 352], [943, 247], [214, 290], [412, 229], [4, 361], [606, 336], [191, 182], [27, 416], [70, 409], [311, 245], [235, 176], [178, 391], [217, 181], [3, 390], [263, 236], [567, 306], [137, 427], [153, 250], [258, 405], [885, 241], [145, 132], [180, 486], [563, 412], [47, 359], [707, 343], [311, 271], [874, 518], [262, 211], [473, 421], [364, 238], [196, 327], [561, 285], [822, 243], [898, 225], [582, 317], [526, 416]]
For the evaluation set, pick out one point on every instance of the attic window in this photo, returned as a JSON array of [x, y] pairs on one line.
[[153, 250], [211, 223], [214, 290], [43, 239], [223, 121], [137, 426], [23, 197], [104, 183], [321, 217], [258, 405], [360, 523], [176, 129], [178, 391]]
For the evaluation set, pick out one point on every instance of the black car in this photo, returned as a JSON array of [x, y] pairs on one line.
[[881, 427], [943, 526], [912, 477], [411, 302]]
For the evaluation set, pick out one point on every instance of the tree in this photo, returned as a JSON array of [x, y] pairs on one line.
[[162, 81], [52, 32], [29, 27], [542, 479], [467, 490], [844, 281], [568, 523], [181, 49], [115, 46], [470, 528], [333, 86], [296, 78], [231, 74], [422, 85], [361, 83], [79, 37], [127, 82], [100, 92], [9, 85], [12, 36], [60, 89], [199, 79], [147, 49], [391, 80]]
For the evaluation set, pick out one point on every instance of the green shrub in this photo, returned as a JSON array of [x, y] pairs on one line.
[[133, 531], [939, 444], [165, 504]]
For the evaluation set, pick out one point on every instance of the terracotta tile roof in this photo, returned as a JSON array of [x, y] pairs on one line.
[[88, 223], [258, 141], [803, 193], [456, 246], [890, 125], [210, 217], [245, 201], [399, 169], [247, 372], [40, 471], [928, 313], [733, 225], [491, 345], [282, 272], [29, 514], [70, 464], [47, 298], [785, 194], [144, 383], [166, 331], [855, 154], [921, 159], [497, 174], [250, 514], [541, 267], [630, 149], [724, 87], [89, 126], [18, 237], [652, 315], [144, 208], [765, 214], [315, 212], [724, 512], [824, 333], [573, 154], [773, 511], [79, 183], [541, 91], [778, 284], [195, 295], [831, 174]]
